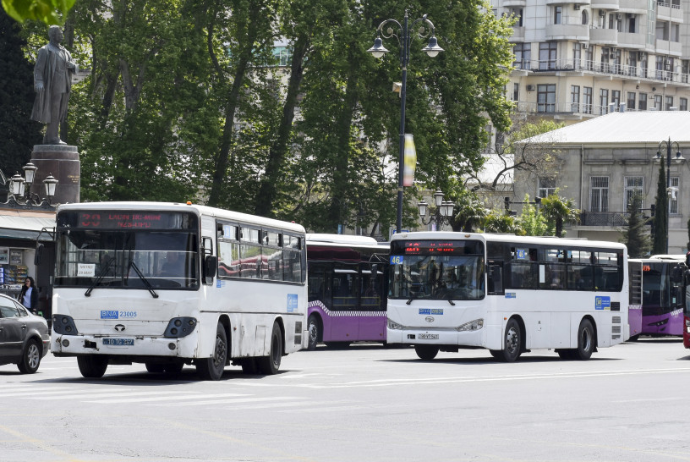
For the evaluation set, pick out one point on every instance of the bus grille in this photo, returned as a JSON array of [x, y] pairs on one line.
[[616, 320], [616, 329], [298, 333]]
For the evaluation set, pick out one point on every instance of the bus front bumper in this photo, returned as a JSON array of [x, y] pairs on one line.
[[411, 336], [74, 345]]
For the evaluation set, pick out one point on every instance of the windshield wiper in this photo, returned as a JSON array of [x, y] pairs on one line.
[[100, 277], [451, 301], [144, 280], [411, 297]]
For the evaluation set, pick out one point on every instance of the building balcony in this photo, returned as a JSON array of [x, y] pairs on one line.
[[609, 5], [518, 34], [633, 6], [604, 219], [669, 12], [633, 41], [603, 36], [666, 47], [562, 110], [514, 3], [582, 3], [567, 32]]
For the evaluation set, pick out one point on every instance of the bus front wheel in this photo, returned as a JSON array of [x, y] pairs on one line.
[[212, 368], [426, 352], [512, 341], [315, 332], [270, 364], [92, 366]]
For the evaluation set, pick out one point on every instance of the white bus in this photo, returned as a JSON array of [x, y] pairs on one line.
[[508, 294], [172, 284]]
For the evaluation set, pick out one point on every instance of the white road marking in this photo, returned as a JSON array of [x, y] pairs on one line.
[[242, 400], [117, 400]]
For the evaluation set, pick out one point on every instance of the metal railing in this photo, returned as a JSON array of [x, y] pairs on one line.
[[611, 219], [601, 68]]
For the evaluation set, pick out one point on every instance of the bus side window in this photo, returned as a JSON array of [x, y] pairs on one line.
[[495, 278]]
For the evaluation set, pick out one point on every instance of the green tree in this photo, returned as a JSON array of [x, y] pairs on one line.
[[19, 133], [559, 210], [636, 234], [47, 11], [470, 213], [532, 222], [660, 224], [497, 221]]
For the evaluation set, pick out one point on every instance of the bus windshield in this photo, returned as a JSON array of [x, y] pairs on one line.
[[163, 255], [437, 271]]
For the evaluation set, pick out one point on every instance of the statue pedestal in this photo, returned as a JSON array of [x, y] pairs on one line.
[[61, 161]]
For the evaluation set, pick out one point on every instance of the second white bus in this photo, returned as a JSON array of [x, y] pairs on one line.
[[507, 294]]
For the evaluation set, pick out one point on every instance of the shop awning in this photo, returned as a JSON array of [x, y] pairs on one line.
[[22, 224]]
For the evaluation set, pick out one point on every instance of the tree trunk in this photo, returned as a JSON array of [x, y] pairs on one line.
[[276, 157]]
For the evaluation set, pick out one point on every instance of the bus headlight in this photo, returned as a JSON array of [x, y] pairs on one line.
[[180, 327], [471, 326], [64, 325], [394, 325]]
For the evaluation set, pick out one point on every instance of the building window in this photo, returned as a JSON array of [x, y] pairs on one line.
[[643, 101], [632, 63], [616, 98], [546, 98], [589, 58], [669, 103], [673, 203], [516, 92], [577, 55], [657, 102], [587, 96], [574, 98], [605, 59], [599, 199], [633, 185], [523, 55], [547, 186], [603, 101], [282, 55], [631, 100], [547, 55], [557, 14], [683, 104]]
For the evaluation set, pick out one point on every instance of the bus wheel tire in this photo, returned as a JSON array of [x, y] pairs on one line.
[[212, 368], [496, 353], [31, 358], [155, 368], [270, 364], [426, 352], [314, 332], [92, 366], [249, 366], [586, 340], [512, 342]]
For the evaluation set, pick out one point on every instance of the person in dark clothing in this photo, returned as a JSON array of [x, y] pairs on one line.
[[29, 295]]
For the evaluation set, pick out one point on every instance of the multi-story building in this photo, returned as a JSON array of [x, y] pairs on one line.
[[576, 58]]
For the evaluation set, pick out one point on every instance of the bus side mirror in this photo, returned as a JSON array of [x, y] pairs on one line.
[[677, 274], [210, 266], [38, 256]]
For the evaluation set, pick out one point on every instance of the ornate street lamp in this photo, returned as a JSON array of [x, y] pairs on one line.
[[443, 211]]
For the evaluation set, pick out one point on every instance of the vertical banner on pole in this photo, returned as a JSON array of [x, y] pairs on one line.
[[410, 161]]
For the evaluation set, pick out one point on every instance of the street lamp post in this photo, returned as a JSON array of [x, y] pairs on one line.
[[443, 210], [21, 197], [378, 51], [669, 192]]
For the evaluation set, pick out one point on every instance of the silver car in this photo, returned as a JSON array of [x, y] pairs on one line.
[[24, 337]]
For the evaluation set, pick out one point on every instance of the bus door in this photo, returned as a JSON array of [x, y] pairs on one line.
[[344, 319], [372, 325]]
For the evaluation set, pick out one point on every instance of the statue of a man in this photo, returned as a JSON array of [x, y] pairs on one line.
[[53, 83]]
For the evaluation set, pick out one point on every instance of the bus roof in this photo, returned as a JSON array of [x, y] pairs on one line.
[[668, 257], [486, 237], [341, 239], [200, 210]]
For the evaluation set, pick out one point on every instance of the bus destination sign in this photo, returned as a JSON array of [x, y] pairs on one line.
[[122, 220], [459, 247]]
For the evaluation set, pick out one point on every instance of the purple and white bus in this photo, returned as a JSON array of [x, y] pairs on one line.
[[347, 279], [662, 305]]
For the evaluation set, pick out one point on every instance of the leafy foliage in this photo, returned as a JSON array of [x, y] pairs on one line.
[[47, 11], [532, 222], [636, 235], [659, 245], [559, 210]]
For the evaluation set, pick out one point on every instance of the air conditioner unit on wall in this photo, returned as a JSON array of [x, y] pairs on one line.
[[602, 13], [619, 16], [576, 7], [585, 45], [530, 87]]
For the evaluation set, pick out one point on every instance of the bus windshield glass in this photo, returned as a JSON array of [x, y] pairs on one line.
[[436, 270], [127, 250]]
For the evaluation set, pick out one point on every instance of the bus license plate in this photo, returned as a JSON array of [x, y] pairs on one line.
[[428, 336], [118, 341]]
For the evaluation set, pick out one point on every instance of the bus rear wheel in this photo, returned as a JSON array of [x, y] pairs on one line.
[[270, 364], [426, 352], [92, 366], [512, 342], [586, 341], [212, 368]]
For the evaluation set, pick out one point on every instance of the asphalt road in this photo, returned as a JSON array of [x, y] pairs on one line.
[[365, 403]]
